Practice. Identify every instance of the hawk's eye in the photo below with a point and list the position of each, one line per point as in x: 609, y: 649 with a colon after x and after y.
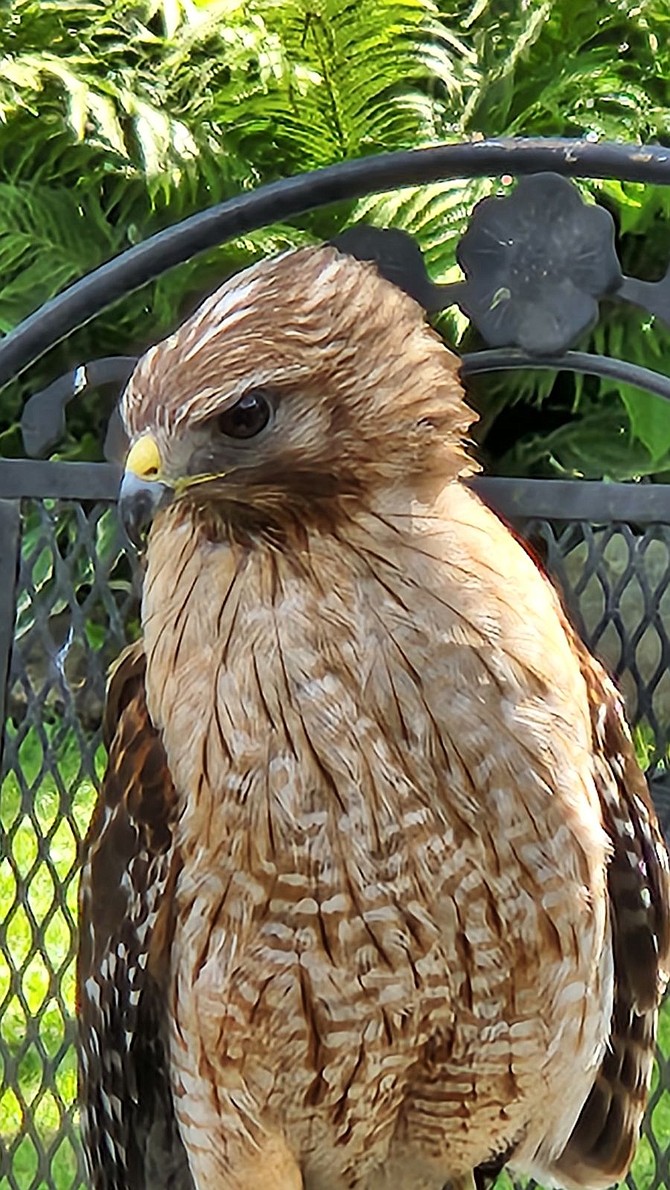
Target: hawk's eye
x: 247, y: 417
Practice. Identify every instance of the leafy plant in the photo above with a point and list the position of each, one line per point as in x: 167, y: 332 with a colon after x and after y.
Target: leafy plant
x: 118, y: 118
x: 555, y: 69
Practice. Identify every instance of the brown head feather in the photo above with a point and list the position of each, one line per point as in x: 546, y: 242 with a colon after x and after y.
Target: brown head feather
x: 332, y: 339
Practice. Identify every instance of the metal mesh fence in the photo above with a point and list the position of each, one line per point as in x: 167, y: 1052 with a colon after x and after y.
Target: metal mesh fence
x: 615, y: 581
x: 75, y: 608
x: 76, y: 604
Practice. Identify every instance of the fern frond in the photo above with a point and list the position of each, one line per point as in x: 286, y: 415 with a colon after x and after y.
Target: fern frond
x: 436, y: 215
x: 47, y: 239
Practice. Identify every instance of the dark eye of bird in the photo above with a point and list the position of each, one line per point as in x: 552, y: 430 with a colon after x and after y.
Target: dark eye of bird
x: 247, y: 417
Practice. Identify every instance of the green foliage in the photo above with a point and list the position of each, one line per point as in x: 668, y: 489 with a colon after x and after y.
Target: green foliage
x: 119, y: 117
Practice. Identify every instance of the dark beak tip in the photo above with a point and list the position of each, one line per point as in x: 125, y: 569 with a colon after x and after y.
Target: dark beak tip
x: 139, y: 501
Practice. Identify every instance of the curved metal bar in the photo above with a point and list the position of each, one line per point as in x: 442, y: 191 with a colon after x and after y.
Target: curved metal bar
x: 293, y: 196
x: 506, y: 359
x: 43, y: 416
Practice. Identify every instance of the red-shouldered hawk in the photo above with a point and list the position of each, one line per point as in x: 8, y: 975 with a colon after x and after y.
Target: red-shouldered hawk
x: 374, y: 894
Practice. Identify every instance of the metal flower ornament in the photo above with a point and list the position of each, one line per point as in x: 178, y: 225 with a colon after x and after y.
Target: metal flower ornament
x: 537, y: 262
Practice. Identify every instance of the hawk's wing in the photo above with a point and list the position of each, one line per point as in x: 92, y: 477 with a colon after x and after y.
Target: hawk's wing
x: 602, y: 1144
x: 130, y: 1134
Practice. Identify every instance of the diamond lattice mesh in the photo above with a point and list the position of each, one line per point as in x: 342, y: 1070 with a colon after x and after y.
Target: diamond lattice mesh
x: 76, y: 606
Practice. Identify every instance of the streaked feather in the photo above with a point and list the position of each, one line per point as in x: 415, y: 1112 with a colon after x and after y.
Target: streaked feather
x: 130, y: 1137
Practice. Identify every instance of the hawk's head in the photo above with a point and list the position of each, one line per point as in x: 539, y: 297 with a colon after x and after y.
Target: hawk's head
x: 302, y: 383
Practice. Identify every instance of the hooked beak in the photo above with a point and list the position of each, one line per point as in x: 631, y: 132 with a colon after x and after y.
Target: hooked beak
x: 142, y: 491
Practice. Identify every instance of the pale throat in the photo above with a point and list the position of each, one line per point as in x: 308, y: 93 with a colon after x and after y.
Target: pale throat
x: 281, y: 685
x: 257, y: 668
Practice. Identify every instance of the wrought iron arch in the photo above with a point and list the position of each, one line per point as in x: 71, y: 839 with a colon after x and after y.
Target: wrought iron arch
x: 537, y: 262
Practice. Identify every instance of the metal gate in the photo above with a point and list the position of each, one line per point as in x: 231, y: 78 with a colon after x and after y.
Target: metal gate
x: 72, y: 607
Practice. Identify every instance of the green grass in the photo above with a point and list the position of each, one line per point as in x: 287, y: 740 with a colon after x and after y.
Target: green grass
x: 37, y: 941
x: 38, y: 910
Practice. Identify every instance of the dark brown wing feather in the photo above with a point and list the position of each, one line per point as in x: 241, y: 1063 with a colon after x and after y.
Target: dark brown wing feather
x: 602, y: 1144
x: 130, y: 1135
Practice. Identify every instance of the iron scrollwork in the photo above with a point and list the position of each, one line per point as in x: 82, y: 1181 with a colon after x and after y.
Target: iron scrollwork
x: 537, y: 263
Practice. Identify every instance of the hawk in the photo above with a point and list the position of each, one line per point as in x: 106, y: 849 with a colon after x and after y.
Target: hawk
x: 374, y: 895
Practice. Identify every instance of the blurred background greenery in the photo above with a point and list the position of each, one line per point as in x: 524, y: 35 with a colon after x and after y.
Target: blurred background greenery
x: 119, y: 117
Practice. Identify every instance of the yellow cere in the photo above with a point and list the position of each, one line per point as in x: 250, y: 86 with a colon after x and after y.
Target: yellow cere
x: 143, y: 458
